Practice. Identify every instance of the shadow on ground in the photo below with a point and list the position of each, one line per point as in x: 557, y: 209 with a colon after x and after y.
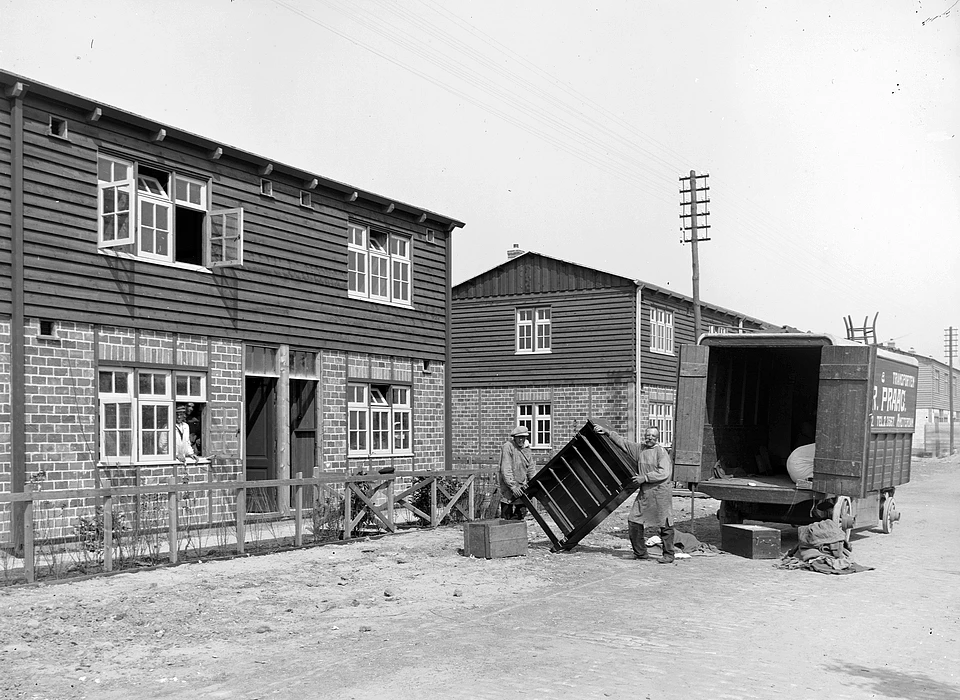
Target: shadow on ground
x: 896, y: 684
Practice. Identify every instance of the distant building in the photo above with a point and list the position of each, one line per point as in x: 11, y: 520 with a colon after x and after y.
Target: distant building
x: 932, y: 435
x: 549, y: 343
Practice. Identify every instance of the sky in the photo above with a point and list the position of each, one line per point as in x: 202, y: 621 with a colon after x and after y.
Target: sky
x: 828, y: 129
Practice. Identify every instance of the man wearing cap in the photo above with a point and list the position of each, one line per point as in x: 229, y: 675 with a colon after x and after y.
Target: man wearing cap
x: 653, y: 507
x: 182, y: 446
x: 516, y: 468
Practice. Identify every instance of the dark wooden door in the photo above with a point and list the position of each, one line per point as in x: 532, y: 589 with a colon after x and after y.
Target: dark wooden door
x: 303, y: 427
x: 261, y: 447
x: 690, y: 415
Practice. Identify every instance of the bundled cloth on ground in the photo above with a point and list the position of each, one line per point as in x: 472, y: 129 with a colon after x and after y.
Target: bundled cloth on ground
x: 821, y: 547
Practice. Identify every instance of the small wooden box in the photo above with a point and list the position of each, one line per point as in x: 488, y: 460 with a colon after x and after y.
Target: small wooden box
x: 492, y: 539
x: 750, y: 541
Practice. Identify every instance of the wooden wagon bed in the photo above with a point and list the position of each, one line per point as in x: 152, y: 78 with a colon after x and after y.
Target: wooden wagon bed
x: 758, y: 489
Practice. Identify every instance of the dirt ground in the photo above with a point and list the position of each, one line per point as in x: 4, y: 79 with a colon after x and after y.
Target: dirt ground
x: 219, y: 629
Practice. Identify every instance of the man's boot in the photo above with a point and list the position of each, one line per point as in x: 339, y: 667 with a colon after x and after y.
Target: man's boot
x: 637, y: 542
x: 667, y: 537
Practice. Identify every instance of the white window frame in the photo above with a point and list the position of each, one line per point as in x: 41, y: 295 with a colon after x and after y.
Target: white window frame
x: 661, y: 331
x: 661, y: 417
x: 222, y: 229
x: 158, y: 395
x: 379, y: 420
x: 534, y: 330
x: 537, y: 417
x: 379, y: 266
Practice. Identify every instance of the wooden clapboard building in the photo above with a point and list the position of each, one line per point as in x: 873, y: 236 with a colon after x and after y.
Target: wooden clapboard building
x: 301, y: 322
x: 549, y: 343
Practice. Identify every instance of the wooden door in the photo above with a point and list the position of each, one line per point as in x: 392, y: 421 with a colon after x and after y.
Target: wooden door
x: 261, y: 444
x: 303, y: 427
x: 844, y: 388
x: 690, y: 414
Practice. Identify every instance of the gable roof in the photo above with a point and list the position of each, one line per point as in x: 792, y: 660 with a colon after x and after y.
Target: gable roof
x: 97, y: 110
x: 531, y: 272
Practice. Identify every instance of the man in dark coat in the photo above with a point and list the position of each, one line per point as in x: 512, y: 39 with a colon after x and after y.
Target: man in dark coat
x: 653, y: 507
x: 516, y: 468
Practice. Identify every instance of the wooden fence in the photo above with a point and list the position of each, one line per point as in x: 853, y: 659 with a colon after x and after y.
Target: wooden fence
x: 374, y: 497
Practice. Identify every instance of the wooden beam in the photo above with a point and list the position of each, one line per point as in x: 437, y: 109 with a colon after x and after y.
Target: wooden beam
x: 352, y: 197
x: 216, y: 153
x: 266, y: 169
x: 311, y: 184
x: 95, y: 114
x: 423, y: 217
x: 159, y: 135
x: 15, y: 90
x: 389, y: 208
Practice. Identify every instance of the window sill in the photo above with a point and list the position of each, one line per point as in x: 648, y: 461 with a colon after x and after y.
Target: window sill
x: 533, y: 352
x: 381, y: 302
x: 378, y: 455
x: 151, y: 261
x: 159, y: 463
x: 663, y: 352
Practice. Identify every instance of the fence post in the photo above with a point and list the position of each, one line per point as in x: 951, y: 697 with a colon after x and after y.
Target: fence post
x: 108, y: 532
x: 241, y: 516
x: 390, y: 504
x: 347, y: 510
x: 298, y: 512
x: 315, y: 489
x: 29, y: 568
x: 434, y: 519
x: 471, y: 497
x: 172, y: 520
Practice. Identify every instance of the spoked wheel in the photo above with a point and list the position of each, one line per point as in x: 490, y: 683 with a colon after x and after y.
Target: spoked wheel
x: 888, y: 514
x: 843, y: 516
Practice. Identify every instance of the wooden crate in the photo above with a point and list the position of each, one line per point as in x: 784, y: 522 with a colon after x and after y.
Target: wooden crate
x: 493, y: 539
x: 750, y: 541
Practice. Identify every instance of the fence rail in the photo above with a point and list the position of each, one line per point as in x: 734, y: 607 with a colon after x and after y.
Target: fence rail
x: 370, y: 498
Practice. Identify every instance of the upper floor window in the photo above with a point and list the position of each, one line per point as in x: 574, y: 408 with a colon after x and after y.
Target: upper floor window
x: 533, y: 330
x: 718, y: 329
x: 159, y: 215
x: 378, y: 265
x: 661, y: 331
x: 379, y: 419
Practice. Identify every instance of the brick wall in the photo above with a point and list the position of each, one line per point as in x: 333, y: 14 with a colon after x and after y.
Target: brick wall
x: 428, y: 416
x: 483, y: 418
x: 333, y: 386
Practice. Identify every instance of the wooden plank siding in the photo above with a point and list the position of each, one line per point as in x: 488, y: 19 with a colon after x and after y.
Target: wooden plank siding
x: 6, y: 196
x: 593, y: 339
x: 659, y: 368
x: 292, y: 287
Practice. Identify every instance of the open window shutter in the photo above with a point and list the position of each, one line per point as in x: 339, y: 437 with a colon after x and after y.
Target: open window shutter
x: 224, y: 245
x: 842, y: 419
x: 690, y: 412
x: 116, y: 207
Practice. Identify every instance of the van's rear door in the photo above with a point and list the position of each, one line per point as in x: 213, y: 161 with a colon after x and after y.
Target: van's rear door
x: 842, y: 409
x: 691, y: 412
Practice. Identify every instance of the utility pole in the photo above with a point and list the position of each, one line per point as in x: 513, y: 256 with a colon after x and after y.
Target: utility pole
x: 694, y: 210
x: 950, y: 349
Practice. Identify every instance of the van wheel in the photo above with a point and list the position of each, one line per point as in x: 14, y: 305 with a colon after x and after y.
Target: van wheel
x: 728, y: 515
x: 843, y: 516
x: 888, y: 514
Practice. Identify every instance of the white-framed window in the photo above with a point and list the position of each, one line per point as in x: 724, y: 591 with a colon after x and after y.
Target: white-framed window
x: 537, y: 418
x: 661, y: 331
x: 163, y: 216
x: 138, y: 412
x: 718, y: 329
x: 379, y: 419
x: 378, y: 265
x: 661, y: 418
x: 534, y: 330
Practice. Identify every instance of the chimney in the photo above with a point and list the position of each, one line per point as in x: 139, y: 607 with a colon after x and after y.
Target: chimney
x: 511, y: 254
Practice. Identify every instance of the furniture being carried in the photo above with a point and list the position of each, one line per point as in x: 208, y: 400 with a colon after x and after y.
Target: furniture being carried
x: 580, y: 486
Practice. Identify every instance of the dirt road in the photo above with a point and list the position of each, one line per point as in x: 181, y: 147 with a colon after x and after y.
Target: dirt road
x: 406, y: 616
